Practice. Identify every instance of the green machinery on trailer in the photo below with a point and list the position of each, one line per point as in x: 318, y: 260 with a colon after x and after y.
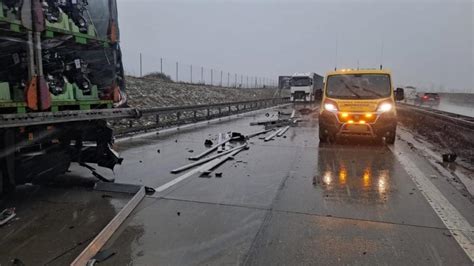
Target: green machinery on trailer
x: 61, y: 76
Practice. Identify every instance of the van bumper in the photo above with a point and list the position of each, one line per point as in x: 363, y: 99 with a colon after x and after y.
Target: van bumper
x: 385, y: 122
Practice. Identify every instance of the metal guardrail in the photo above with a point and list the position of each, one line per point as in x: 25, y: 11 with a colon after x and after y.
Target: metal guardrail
x: 41, y: 118
x: 452, y: 118
x: 195, y: 113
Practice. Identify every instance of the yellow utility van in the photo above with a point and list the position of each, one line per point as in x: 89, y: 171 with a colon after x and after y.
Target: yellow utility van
x: 359, y: 102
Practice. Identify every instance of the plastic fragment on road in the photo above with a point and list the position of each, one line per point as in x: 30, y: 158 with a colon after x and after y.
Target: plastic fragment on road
x: 6, y: 216
x: 208, y: 143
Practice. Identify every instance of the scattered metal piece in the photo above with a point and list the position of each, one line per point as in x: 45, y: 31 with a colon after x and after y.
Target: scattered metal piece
x: 211, y: 149
x: 220, y: 139
x: 98, y: 242
x: 271, y: 136
x: 6, y: 215
x: 219, y: 174
x: 214, y: 164
x: 258, y: 133
x: 269, y: 122
x: 293, y: 114
x: 205, y: 160
x: 158, y: 151
x: 283, y: 131
x: 191, y: 151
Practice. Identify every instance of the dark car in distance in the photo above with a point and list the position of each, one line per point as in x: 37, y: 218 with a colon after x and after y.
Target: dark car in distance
x: 427, y: 98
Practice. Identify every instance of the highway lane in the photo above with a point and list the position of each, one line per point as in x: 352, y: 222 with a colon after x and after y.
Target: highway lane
x: 287, y: 201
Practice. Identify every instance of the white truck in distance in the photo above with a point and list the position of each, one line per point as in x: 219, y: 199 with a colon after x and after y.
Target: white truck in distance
x: 305, y: 87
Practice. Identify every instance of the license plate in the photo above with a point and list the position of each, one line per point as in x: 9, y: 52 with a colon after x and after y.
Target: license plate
x: 357, y: 128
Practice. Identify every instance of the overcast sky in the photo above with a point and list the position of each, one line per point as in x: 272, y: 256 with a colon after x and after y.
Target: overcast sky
x: 425, y: 43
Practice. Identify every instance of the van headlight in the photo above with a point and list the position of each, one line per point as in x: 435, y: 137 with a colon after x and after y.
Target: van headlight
x: 330, y: 107
x: 385, y: 107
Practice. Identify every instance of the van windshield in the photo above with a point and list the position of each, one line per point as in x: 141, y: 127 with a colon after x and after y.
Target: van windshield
x: 300, y: 81
x: 358, y: 86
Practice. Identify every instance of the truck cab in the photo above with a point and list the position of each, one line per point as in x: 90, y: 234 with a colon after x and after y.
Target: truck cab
x: 358, y: 102
x: 302, y: 87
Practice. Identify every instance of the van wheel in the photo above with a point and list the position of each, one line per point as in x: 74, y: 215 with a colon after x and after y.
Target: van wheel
x: 390, y: 137
x: 323, y: 137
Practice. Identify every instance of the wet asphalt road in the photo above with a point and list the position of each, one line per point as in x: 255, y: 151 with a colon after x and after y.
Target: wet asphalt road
x: 284, y: 202
x: 290, y: 201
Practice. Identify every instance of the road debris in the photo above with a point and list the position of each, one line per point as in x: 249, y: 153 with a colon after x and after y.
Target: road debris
x: 103, y: 255
x: 221, y: 138
x: 99, y: 241
x: 95, y: 174
x: 205, y: 160
x: 208, y: 143
x: 271, y: 136
x: 211, y: 149
x: 258, y: 133
x: 449, y: 157
x: 283, y: 131
x: 215, y: 163
x: 219, y: 174
x: 6, y: 215
x: 17, y: 262
x: 236, y: 136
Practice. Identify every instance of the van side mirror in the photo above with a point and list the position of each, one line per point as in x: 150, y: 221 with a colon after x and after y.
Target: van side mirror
x: 399, y: 94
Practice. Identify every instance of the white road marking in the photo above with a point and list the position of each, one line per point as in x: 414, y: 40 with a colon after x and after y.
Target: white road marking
x: 459, y: 227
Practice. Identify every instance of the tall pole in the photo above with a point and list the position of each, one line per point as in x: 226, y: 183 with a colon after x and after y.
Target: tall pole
x: 177, y: 72
x: 212, y: 74
x: 191, y: 68
x: 221, y: 78
x: 241, y: 80
x: 141, y: 67
x: 161, y: 65
x: 202, y: 76
x: 235, y: 80
x: 247, y: 82
x: 228, y: 79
